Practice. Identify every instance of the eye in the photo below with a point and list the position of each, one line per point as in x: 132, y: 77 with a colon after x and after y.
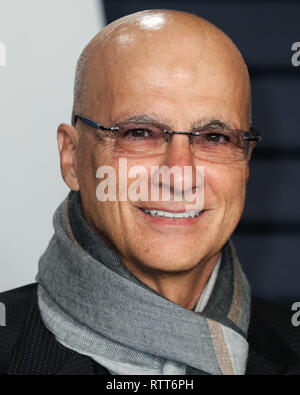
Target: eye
x: 137, y: 133
x: 217, y: 138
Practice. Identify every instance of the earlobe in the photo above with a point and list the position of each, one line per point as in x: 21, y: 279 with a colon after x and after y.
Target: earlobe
x: 67, y: 138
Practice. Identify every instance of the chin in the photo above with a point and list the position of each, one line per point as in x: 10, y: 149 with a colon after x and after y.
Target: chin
x: 170, y: 261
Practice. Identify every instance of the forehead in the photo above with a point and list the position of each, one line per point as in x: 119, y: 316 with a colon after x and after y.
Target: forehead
x: 186, y: 73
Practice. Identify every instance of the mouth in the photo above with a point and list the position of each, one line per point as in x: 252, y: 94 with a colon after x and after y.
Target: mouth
x: 172, y: 214
x: 177, y: 219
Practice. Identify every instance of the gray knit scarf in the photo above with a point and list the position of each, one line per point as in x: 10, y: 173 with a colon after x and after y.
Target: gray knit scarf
x: 94, y: 305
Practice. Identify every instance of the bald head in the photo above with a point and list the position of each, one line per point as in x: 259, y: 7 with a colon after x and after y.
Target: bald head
x: 185, y: 47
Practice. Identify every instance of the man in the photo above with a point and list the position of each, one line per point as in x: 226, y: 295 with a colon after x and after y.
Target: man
x: 151, y: 285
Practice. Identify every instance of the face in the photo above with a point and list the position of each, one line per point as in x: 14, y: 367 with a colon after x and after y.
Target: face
x: 179, y: 90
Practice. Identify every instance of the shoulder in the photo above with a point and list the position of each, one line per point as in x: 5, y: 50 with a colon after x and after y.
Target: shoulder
x: 19, y: 295
x: 26, y: 345
x: 278, y: 317
x: 16, y: 305
x: 274, y: 343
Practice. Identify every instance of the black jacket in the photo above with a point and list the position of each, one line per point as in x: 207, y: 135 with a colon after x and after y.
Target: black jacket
x: 28, y: 348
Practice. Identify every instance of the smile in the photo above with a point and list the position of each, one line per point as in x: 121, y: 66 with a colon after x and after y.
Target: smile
x: 170, y: 214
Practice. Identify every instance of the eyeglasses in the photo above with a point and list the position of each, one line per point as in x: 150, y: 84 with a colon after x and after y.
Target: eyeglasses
x: 213, y: 142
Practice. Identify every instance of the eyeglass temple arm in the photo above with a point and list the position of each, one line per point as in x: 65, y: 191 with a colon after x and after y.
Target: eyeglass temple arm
x: 254, y: 135
x: 91, y: 123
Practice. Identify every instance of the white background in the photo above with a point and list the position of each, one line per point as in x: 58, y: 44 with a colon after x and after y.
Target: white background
x: 43, y: 41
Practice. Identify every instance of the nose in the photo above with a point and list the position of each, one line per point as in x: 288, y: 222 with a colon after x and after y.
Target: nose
x: 179, y: 156
x: 179, y: 151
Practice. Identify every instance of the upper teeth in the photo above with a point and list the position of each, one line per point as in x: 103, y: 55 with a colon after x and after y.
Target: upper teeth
x: 169, y: 214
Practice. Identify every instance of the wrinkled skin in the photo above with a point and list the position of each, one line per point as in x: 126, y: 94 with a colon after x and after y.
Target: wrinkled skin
x: 181, y: 70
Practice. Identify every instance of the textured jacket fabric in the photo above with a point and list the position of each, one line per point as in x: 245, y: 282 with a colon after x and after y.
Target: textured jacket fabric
x: 28, y: 348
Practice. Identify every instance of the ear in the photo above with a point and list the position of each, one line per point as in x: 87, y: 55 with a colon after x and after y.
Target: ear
x: 250, y: 150
x: 68, y: 140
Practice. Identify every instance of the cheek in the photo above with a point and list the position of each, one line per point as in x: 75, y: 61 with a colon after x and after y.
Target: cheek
x: 92, y: 157
x: 225, y: 186
x: 138, y: 175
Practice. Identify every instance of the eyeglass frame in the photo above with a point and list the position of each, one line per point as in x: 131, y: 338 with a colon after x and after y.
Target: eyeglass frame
x: 254, y: 136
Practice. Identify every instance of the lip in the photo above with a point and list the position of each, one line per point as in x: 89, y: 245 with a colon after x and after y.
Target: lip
x: 169, y: 209
x: 171, y: 221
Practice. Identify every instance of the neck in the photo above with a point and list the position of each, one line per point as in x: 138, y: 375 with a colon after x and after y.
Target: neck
x: 182, y: 288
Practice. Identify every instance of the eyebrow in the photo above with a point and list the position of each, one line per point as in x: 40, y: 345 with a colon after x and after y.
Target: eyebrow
x: 217, y: 123
x: 145, y: 119
x: 165, y: 124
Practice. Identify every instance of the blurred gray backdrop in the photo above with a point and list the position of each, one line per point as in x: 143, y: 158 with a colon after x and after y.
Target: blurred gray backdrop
x: 43, y: 40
